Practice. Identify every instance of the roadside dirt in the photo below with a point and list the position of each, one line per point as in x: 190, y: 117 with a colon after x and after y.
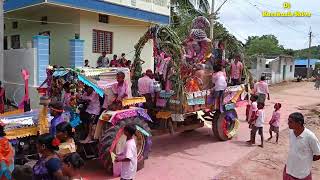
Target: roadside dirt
x: 268, y: 162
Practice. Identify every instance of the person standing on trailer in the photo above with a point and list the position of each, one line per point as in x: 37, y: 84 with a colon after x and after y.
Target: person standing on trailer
x: 145, y: 86
x: 92, y: 112
x: 236, y: 71
x: 220, y: 85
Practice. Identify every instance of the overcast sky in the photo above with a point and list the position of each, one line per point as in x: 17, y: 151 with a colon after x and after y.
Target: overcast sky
x: 243, y: 18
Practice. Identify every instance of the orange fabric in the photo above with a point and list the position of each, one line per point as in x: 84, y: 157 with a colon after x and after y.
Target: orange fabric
x: 6, y: 151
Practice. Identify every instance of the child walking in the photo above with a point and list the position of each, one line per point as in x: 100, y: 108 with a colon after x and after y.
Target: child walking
x: 251, y: 114
x: 275, y: 122
x: 252, y: 109
x: 258, y: 125
x: 128, y: 157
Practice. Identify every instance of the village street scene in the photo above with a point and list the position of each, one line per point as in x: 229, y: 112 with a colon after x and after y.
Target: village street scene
x: 159, y: 89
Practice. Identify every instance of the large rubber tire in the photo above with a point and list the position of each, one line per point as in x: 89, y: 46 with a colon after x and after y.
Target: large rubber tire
x: 221, y: 126
x: 109, y: 135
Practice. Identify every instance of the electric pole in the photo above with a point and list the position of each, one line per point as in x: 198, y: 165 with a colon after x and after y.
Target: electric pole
x: 212, y: 16
x: 309, y: 54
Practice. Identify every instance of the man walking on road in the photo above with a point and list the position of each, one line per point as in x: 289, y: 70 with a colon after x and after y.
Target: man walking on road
x: 303, y: 149
x: 261, y: 89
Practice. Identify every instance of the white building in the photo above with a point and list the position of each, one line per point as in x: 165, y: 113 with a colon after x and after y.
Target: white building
x: 114, y: 26
x: 276, y: 70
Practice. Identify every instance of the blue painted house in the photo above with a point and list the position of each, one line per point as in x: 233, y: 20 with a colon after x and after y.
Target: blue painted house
x: 113, y: 26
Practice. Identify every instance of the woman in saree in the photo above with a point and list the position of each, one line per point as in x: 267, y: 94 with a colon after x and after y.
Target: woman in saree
x: 6, y: 155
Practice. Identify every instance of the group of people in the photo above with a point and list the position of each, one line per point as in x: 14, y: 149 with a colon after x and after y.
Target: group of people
x: 57, y: 149
x: 58, y: 157
x: 103, y: 61
x: 304, y: 146
x: 220, y: 80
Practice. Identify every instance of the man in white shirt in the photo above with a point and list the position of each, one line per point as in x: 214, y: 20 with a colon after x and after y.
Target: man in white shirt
x: 128, y: 157
x: 145, y: 87
x: 261, y: 89
x: 303, y: 149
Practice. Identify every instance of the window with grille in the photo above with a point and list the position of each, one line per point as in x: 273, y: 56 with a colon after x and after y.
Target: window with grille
x: 15, y: 42
x: 102, y: 41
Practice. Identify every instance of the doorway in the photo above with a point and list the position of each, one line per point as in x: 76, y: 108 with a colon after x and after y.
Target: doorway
x: 284, y: 72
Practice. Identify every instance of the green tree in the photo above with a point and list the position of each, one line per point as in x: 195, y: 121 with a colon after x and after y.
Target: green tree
x: 264, y: 45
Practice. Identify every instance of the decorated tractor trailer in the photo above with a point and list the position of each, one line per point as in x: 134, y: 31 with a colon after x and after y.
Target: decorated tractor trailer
x: 183, y: 98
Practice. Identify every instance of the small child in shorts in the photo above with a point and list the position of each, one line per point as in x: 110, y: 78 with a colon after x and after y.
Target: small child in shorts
x: 275, y: 122
x: 258, y: 125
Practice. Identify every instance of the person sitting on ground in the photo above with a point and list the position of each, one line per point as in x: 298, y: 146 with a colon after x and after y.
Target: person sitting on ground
x: 145, y: 87
x: 56, y: 110
x: 103, y: 60
x: 128, y: 157
x: 258, y: 126
x: 86, y: 63
x: 72, y: 164
x: 48, y: 167
x: 6, y: 155
x: 261, y: 89
x: 275, y: 122
x: 114, y: 62
x: 120, y: 90
x: 65, y: 135
x: 304, y: 148
x: 123, y: 61
x: 90, y: 116
x: 220, y: 85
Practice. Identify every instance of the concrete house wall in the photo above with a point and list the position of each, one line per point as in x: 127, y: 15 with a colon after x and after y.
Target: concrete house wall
x: 280, y: 69
x: 60, y: 34
x: 126, y: 34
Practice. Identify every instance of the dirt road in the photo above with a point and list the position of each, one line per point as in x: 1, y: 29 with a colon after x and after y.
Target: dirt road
x: 199, y: 156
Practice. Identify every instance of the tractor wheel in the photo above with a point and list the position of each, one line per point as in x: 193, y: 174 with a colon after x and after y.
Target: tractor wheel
x: 224, y: 125
x: 108, y: 138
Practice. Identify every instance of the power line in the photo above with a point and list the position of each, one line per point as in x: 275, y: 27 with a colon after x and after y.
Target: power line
x: 228, y: 27
x: 285, y: 25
